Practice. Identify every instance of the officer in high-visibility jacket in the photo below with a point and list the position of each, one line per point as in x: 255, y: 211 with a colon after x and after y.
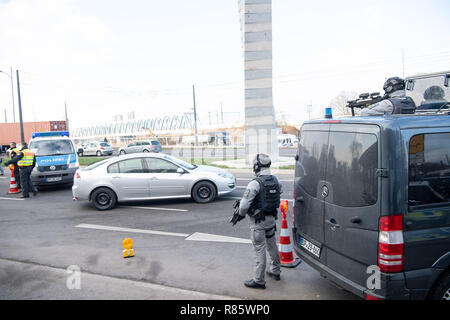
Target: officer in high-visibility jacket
x: 13, y: 151
x: 26, y: 161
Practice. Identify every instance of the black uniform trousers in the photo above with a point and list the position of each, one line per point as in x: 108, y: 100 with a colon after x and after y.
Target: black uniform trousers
x: 25, y: 178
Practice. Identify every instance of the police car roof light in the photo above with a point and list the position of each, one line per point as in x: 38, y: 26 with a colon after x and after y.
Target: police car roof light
x: 50, y: 134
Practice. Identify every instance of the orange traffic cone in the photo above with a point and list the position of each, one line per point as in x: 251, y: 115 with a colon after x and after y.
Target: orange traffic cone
x: 12, y: 184
x: 285, y: 247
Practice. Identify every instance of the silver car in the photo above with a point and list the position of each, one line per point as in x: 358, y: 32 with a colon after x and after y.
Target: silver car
x: 149, y: 176
x: 141, y: 146
x: 95, y: 148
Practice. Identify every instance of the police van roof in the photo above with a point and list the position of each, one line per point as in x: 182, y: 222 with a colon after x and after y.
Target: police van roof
x: 401, y: 121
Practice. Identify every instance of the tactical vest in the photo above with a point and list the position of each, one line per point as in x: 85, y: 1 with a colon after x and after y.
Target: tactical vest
x: 268, y: 198
x: 403, y: 105
x: 27, y: 159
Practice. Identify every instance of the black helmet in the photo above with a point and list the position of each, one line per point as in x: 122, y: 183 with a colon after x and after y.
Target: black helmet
x: 434, y: 93
x: 261, y: 160
x: 393, y: 84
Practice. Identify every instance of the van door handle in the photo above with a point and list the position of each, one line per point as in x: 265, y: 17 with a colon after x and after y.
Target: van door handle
x: 116, y: 177
x: 333, y: 224
x: 300, y: 199
x: 355, y: 219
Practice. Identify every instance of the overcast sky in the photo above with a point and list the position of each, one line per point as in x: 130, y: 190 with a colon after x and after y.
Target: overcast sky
x: 109, y: 57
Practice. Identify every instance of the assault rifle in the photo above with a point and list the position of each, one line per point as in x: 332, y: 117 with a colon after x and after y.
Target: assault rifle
x: 236, y: 216
x: 365, y: 100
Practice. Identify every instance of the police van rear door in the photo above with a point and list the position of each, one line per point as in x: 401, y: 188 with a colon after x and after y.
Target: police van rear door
x: 309, y: 176
x: 351, y: 191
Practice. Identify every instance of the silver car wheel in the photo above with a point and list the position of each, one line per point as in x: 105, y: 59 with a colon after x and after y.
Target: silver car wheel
x: 103, y: 199
x: 204, y: 192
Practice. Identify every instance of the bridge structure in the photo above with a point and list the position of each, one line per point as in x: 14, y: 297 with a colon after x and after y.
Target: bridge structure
x: 136, y: 127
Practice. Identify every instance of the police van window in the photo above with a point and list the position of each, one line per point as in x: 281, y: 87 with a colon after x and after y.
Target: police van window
x: 156, y: 165
x: 351, y: 168
x: 429, y: 169
x: 44, y: 148
x: 310, y: 167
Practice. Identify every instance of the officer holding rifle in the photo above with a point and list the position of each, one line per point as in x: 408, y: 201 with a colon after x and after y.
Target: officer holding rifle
x: 261, y: 201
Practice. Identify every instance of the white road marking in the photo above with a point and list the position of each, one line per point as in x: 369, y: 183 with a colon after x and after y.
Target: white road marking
x: 155, y: 208
x: 232, y: 198
x: 108, y: 228
x: 249, y: 179
x: 16, y: 199
x: 239, y: 198
x: 198, y: 236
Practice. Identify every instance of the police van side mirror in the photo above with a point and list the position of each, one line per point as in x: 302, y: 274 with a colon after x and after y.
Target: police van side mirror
x: 181, y: 171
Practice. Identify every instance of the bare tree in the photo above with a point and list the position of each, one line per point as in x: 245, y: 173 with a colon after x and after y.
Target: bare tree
x: 339, y: 103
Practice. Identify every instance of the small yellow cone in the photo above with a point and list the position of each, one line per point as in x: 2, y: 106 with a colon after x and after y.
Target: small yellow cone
x: 127, y: 244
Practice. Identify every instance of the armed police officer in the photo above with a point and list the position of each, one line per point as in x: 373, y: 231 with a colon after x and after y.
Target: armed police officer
x: 395, y: 102
x: 261, y: 201
x: 26, y: 161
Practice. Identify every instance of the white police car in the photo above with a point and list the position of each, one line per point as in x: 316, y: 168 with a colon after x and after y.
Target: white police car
x: 56, y: 158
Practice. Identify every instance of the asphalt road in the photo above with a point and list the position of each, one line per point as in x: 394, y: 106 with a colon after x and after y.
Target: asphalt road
x: 42, y: 236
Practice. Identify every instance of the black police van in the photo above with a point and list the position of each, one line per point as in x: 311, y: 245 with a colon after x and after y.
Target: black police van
x: 372, y: 204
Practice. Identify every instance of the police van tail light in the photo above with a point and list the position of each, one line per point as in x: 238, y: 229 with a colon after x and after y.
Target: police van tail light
x: 390, y: 244
x: 293, y: 208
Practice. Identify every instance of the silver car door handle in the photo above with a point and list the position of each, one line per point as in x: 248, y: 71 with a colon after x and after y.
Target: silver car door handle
x: 116, y: 177
x: 154, y: 178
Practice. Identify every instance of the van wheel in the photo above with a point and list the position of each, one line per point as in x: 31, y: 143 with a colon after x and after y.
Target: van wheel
x: 204, y: 192
x: 442, y: 290
x: 103, y: 199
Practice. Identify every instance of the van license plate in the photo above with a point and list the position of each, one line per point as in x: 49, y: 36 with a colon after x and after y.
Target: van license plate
x: 53, y: 179
x: 308, y: 246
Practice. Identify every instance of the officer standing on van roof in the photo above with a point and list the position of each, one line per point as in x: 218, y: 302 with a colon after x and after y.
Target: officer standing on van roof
x: 261, y: 201
x: 396, y: 101
x: 26, y: 161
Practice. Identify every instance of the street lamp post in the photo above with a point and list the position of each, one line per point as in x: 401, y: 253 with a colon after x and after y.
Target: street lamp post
x: 12, y: 91
x: 22, y: 138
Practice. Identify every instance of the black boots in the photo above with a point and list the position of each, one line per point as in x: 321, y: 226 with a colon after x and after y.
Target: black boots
x: 254, y: 285
x: 273, y: 275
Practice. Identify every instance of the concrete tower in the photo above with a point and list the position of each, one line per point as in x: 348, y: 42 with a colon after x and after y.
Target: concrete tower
x: 260, y: 126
